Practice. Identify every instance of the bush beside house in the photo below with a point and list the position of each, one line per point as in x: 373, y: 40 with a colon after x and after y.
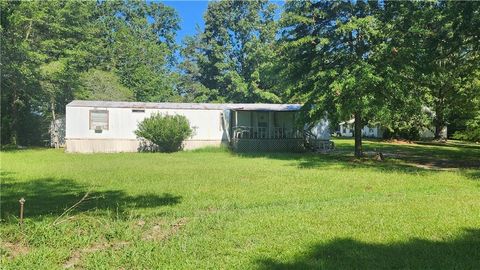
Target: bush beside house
x: 163, y: 133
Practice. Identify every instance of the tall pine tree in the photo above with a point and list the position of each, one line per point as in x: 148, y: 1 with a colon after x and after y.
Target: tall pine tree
x: 233, y: 56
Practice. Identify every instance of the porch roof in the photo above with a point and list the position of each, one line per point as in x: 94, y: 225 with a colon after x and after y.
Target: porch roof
x: 266, y: 107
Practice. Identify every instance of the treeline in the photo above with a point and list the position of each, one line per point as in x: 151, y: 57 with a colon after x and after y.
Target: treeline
x: 399, y: 64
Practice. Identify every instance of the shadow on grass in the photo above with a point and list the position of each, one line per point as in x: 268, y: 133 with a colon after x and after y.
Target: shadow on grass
x: 345, y: 253
x: 429, y: 154
x: 417, y: 159
x: 51, y: 197
x: 340, y: 160
x: 475, y: 175
x: 451, y: 144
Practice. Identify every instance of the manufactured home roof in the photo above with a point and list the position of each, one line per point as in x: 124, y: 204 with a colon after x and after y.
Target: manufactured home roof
x: 186, y: 106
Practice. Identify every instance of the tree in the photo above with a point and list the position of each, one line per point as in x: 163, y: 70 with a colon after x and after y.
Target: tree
x: 190, y: 86
x: 47, y: 45
x: 471, y: 114
x: 139, y: 44
x: 387, y: 62
x: 455, y: 60
x: 43, y: 46
x: 16, y: 80
x: 437, y: 54
x: 233, y: 56
x: 332, y: 52
x: 102, y: 85
x: 405, y: 111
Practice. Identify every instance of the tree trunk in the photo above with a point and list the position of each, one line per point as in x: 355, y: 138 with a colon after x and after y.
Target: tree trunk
x: 439, y: 127
x: 29, y: 29
x: 440, y: 117
x: 439, y: 122
x: 54, y: 131
x: 358, y: 134
x: 14, y: 122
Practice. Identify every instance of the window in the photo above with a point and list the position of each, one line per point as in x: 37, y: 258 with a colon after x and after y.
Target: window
x: 99, y: 120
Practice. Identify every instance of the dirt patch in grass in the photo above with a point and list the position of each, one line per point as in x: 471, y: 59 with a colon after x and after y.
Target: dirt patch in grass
x: 14, y: 250
x: 437, y: 163
x: 161, y: 231
x: 423, y: 161
x: 76, y: 257
x: 399, y: 141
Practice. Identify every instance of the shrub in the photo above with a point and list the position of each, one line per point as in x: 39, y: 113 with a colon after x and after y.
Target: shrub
x: 410, y: 133
x: 471, y: 133
x: 163, y: 133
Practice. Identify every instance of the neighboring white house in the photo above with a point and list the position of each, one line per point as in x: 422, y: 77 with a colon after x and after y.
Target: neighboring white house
x: 429, y: 134
x: 108, y: 126
x: 347, y: 128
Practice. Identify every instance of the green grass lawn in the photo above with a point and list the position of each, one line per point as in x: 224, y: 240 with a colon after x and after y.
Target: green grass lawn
x: 211, y: 209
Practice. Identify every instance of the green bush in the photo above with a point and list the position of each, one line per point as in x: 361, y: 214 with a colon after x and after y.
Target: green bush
x: 410, y: 133
x: 471, y: 133
x: 163, y: 133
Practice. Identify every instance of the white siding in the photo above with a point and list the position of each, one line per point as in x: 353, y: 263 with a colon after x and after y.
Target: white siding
x: 123, y: 122
x: 367, y: 131
x: 346, y: 130
x: 371, y: 132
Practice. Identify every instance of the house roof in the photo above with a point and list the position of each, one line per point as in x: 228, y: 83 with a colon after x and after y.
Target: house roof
x: 351, y: 121
x: 186, y: 106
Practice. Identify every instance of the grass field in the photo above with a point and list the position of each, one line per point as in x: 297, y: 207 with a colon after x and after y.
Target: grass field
x: 211, y: 209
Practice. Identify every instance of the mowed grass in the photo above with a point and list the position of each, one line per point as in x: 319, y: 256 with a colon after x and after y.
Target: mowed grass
x: 212, y: 209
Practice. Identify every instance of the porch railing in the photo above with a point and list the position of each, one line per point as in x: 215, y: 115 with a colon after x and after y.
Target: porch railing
x: 248, y: 132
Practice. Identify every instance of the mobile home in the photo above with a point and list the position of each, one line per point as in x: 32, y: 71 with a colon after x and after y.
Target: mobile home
x: 108, y: 126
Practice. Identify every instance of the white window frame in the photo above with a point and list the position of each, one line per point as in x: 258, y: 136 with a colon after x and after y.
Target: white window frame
x: 105, y: 127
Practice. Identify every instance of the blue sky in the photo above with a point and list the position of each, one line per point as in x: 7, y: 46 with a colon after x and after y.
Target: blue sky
x: 191, y: 15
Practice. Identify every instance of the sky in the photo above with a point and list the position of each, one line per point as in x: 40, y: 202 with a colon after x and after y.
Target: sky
x: 191, y: 15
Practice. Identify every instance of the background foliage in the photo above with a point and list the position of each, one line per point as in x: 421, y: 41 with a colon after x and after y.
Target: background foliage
x: 381, y: 62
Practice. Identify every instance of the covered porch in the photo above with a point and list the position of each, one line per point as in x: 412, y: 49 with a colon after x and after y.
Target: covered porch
x: 266, y: 131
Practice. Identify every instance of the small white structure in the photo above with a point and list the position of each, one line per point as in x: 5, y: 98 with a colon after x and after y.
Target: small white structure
x: 108, y: 126
x: 347, y: 128
x: 429, y: 133
x: 57, y: 132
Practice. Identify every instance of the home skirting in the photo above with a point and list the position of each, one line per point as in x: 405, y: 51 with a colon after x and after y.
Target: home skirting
x: 268, y: 145
x: 123, y: 145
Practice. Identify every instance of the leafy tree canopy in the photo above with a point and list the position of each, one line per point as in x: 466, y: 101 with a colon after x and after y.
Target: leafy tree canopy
x: 102, y: 85
x: 233, y: 56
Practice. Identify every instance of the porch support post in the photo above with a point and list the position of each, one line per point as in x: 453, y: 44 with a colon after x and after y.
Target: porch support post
x: 236, y: 118
x: 270, y: 124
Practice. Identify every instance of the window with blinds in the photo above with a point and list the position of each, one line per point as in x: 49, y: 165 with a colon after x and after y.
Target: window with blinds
x: 99, y: 119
